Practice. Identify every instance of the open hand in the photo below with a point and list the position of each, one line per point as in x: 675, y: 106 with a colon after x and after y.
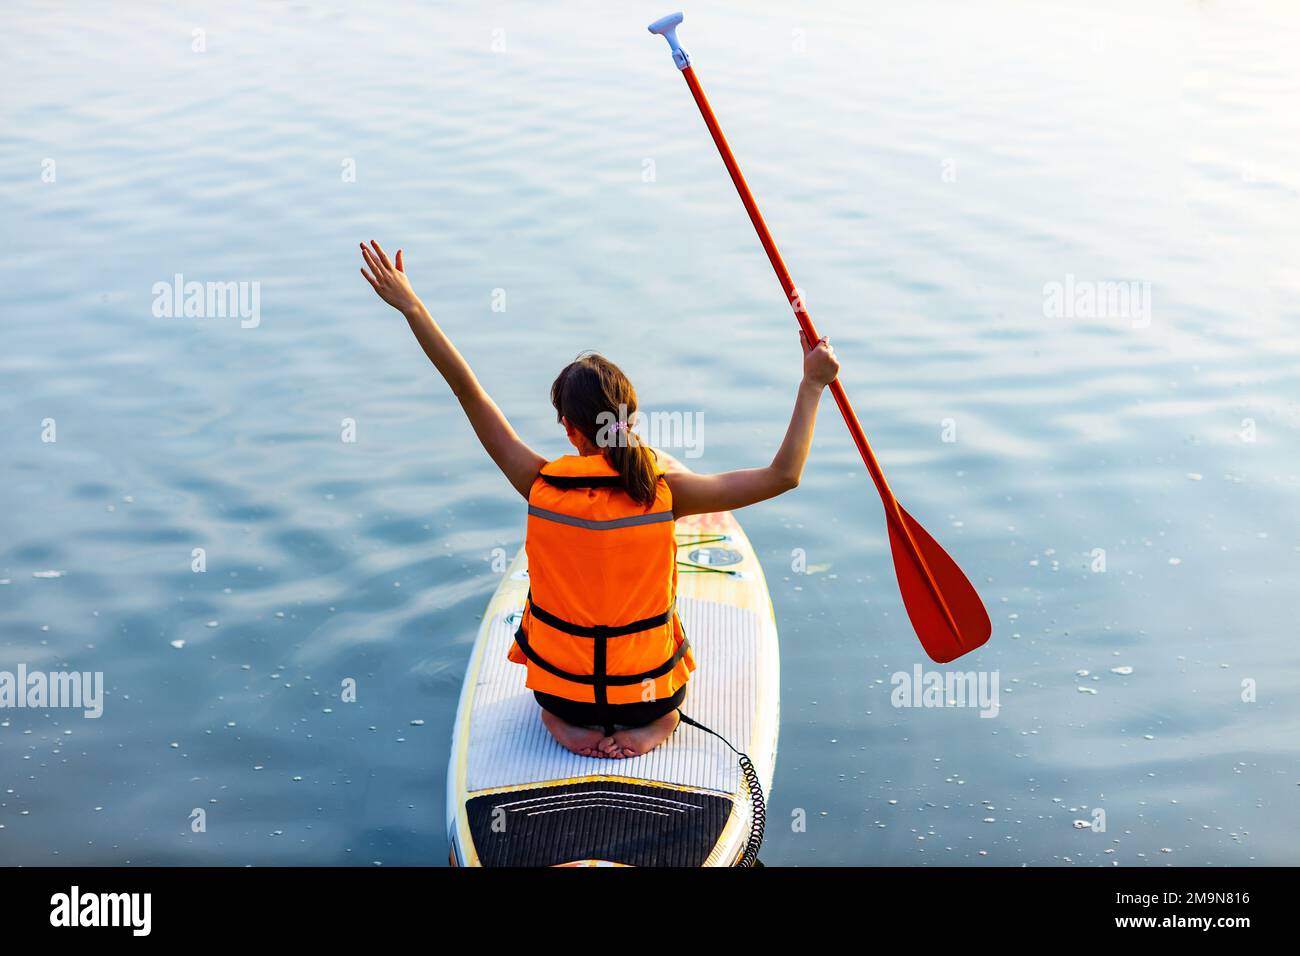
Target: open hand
x: 388, y: 280
x: 820, y: 366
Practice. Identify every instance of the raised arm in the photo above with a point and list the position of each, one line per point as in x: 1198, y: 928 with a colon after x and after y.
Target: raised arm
x: 519, y: 463
x: 698, y: 494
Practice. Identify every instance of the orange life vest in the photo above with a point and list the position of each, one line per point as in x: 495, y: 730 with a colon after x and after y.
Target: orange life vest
x: 601, y: 624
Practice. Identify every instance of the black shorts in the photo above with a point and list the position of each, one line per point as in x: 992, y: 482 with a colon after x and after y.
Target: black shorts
x: 582, y: 714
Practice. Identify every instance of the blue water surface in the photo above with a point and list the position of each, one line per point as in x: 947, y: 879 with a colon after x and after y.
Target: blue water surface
x: 1119, y: 479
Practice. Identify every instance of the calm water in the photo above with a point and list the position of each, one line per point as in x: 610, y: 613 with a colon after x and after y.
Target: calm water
x: 931, y: 170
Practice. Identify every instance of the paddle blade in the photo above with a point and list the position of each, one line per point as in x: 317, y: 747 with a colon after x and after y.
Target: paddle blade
x: 928, y: 620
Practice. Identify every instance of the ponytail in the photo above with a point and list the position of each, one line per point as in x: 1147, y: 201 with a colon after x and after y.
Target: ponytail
x: 635, y: 464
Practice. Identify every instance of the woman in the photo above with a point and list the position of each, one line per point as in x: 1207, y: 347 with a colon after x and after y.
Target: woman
x: 607, y: 658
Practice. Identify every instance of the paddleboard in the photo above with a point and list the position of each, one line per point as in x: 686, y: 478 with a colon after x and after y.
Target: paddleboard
x: 517, y: 798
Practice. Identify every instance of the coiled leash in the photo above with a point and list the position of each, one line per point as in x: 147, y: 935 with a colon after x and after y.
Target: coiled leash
x: 758, y: 819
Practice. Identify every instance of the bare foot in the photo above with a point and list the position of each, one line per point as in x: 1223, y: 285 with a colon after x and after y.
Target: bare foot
x: 583, y: 741
x: 641, y: 740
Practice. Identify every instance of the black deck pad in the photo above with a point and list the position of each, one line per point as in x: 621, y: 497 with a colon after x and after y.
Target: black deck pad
x: 597, y: 820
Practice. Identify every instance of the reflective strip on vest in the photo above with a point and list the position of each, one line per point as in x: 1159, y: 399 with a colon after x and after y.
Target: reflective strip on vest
x: 610, y: 524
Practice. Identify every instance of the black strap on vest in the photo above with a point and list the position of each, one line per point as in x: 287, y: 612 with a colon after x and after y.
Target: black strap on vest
x: 598, y: 630
x: 597, y: 679
x: 567, y: 482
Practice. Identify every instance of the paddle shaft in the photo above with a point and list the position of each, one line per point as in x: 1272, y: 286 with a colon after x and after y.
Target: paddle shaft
x: 892, y: 509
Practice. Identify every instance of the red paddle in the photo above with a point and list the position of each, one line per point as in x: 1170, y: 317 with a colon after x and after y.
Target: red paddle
x: 945, y: 611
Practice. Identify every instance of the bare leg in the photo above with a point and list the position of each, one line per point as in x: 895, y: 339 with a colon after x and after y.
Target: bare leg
x: 641, y: 740
x: 582, y: 741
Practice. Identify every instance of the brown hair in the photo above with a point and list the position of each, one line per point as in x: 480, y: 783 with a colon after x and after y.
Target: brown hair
x: 594, y: 395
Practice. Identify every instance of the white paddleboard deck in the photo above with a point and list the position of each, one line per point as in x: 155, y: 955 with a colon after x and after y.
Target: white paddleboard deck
x: 517, y: 798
